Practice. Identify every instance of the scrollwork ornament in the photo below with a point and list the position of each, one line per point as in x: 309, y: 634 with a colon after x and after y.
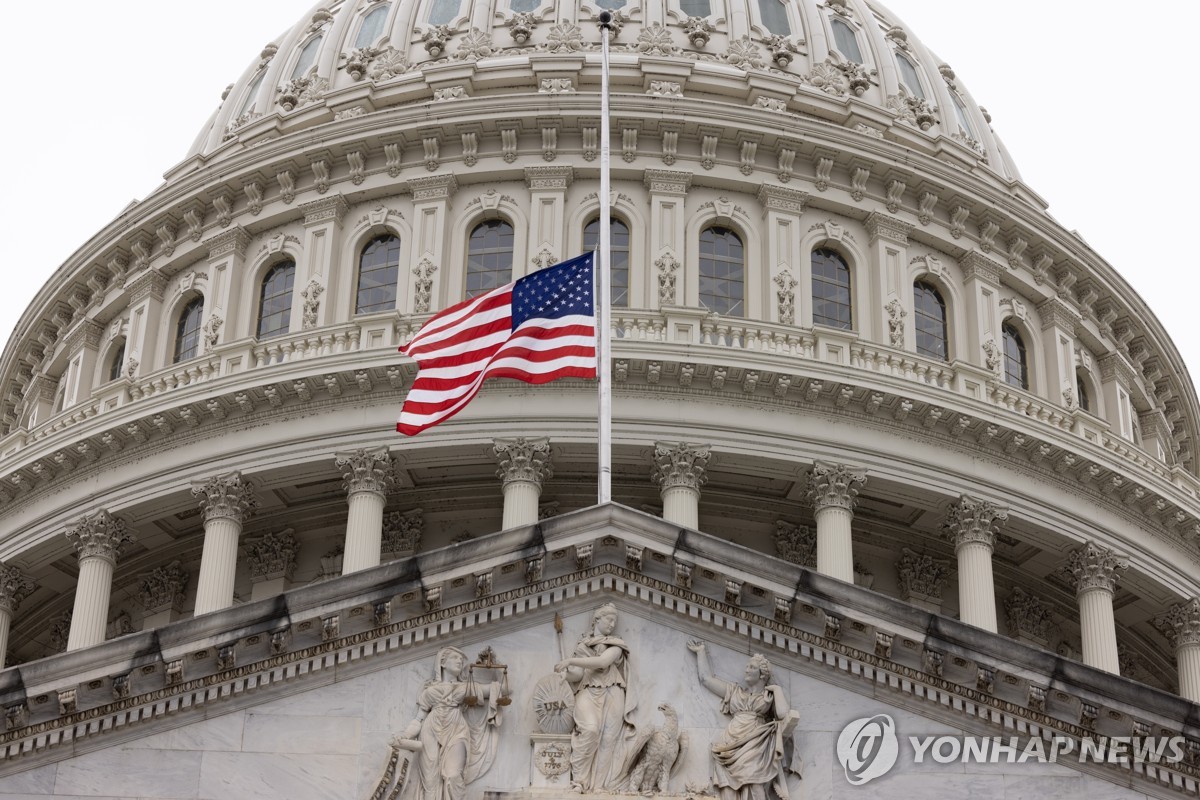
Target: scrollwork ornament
x: 388, y: 63
x: 100, y: 535
x: 1095, y: 568
x: 974, y: 521
x: 834, y: 486
x: 522, y: 459
x: 744, y: 53
x: 565, y: 37
x: 226, y: 497
x: 1181, y: 624
x: 680, y: 465
x: 366, y: 471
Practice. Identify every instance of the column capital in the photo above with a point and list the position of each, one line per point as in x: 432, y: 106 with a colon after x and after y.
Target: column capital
x: 974, y: 521
x: 679, y: 464
x: 1094, y: 567
x: 921, y: 574
x: 100, y: 535
x: 521, y: 459
x: 402, y: 531
x: 225, y: 497
x: 273, y: 556
x: 367, y: 471
x: 162, y: 588
x: 15, y: 586
x: 1181, y: 624
x: 834, y: 485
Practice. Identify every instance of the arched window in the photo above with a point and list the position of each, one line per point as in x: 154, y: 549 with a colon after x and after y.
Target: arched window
x: 187, y: 330
x: 722, y: 272
x: 308, y: 57
x: 960, y: 112
x: 378, y: 272
x: 774, y: 17
x: 443, y: 12
x: 619, y: 252
x: 1016, y: 367
x: 275, y: 300
x: 252, y: 94
x: 909, y: 77
x: 1081, y: 392
x: 489, y: 256
x: 930, y: 318
x: 696, y: 8
x: 372, y: 27
x: 831, y: 290
x: 116, y: 364
x: 845, y: 40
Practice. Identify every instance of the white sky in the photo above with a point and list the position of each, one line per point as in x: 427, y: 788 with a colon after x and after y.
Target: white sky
x: 1094, y: 101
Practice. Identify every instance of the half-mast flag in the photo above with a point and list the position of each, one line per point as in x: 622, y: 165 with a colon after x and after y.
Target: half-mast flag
x: 536, y: 329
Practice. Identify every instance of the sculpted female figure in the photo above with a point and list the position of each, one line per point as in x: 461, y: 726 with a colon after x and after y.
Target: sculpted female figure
x: 454, y: 734
x: 599, y: 672
x: 754, y: 753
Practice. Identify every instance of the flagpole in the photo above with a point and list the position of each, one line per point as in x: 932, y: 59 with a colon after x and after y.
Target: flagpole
x: 603, y: 281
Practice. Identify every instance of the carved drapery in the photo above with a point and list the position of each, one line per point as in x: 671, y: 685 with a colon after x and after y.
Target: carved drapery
x: 1094, y: 567
x: 225, y: 497
x: 680, y: 465
x: 162, y: 588
x: 367, y: 471
x: 523, y: 460
x: 100, y: 535
x: 974, y: 521
x: 834, y: 486
x: 273, y: 556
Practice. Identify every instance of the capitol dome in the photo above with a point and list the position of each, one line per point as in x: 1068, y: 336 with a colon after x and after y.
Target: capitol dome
x: 863, y: 382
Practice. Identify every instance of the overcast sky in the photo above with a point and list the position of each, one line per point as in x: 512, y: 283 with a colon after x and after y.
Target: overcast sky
x: 1094, y: 101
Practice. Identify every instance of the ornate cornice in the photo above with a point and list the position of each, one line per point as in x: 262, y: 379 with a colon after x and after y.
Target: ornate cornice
x: 680, y: 465
x: 1058, y: 314
x: 366, y: 471
x: 225, y: 497
x: 273, y: 556
x: 100, y: 535
x: 779, y: 198
x: 150, y: 283
x: 1181, y: 624
x: 433, y: 187
x: 549, y: 178
x: 327, y: 209
x: 87, y: 333
x: 973, y: 521
x: 667, y: 181
x: 521, y: 459
x: 1113, y: 365
x: 978, y: 267
x: 233, y: 241
x: 162, y: 588
x: 881, y: 226
x: 15, y: 586
x: 1093, y: 567
x: 834, y: 485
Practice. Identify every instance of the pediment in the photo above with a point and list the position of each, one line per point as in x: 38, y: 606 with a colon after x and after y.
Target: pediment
x: 302, y: 696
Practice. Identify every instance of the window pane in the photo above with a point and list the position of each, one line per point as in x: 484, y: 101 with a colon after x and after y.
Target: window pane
x: 722, y: 272
x: 308, y: 57
x: 372, y: 27
x: 251, y: 95
x: 961, y: 112
x: 619, y: 256
x: 611, y: 5
x: 831, y: 290
x: 378, y: 272
x: 524, y: 5
x: 443, y: 12
x: 187, y: 332
x: 275, y: 300
x: 908, y: 76
x: 489, y: 257
x: 1085, y: 400
x: 930, y: 318
x: 1016, y: 368
x: 696, y: 8
x: 774, y: 17
x: 846, y: 41
x: 117, y: 364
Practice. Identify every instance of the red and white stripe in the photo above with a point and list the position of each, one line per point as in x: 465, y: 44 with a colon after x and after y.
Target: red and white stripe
x: 472, y: 341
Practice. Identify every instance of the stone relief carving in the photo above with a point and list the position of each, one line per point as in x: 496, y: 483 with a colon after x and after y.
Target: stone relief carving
x: 655, y: 40
x: 312, y: 303
x: 357, y: 61
x: 435, y: 38
x: 402, y: 531
x: 796, y: 543
x: 163, y: 588
x: 896, y: 315
x: 521, y: 25
x: 911, y: 109
x: 273, y: 556
x: 212, y: 331
x: 389, y: 63
x: 786, y: 297
x: 657, y: 755
x: 302, y: 91
x: 745, y: 54
x: 474, y: 46
x: 754, y: 755
x: 565, y: 37
x: 922, y: 575
x: 699, y: 30
x: 423, y: 289
x: 667, y: 267
x: 1028, y: 616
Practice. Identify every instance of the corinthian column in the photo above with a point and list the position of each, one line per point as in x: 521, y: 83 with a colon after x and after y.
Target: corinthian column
x: 680, y: 471
x: 832, y: 489
x: 369, y: 476
x: 971, y: 524
x: 1181, y: 625
x: 14, y: 587
x: 1096, y: 571
x: 226, y: 501
x: 98, y: 539
x: 524, y: 464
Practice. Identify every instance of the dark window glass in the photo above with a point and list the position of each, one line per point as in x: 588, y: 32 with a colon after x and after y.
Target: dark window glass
x: 252, y: 94
x: 774, y: 17
x: 1016, y: 368
x: 696, y: 8
x: 308, y: 57
x: 187, y: 332
x: 116, y: 364
x: 930, y: 321
x: 722, y: 272
x: 524, y: 5
x: 443, y: 12
x: 489, y: 257
x: 961, y: 113
x: 846, y: 41
x: 372, y: 27
x: 611, y: 5
x: 275, y: 300
x: 908, y: 76
x: 619, y: 248
x: 1085, y: 400
x: 831, y: 290
x: 378, y: 271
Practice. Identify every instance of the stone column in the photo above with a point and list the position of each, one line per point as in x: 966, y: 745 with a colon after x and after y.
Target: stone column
x: 1096, y: 571
x: 1181, y: 625
x: 832, y: 489
x: 98, y: 539
x: 981, y: 290
x: 971, y: 524
x: 227, y: 501
x: 14, y: 587
x: 368, y: 478
x: 524, y: 464
x: 680, y: 471
x: 162, y: 595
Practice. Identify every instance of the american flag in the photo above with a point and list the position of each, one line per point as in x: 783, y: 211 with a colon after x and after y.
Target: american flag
x: 536, y: 329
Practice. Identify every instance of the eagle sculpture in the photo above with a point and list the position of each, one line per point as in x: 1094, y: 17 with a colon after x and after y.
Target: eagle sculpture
x: 656, y: 756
